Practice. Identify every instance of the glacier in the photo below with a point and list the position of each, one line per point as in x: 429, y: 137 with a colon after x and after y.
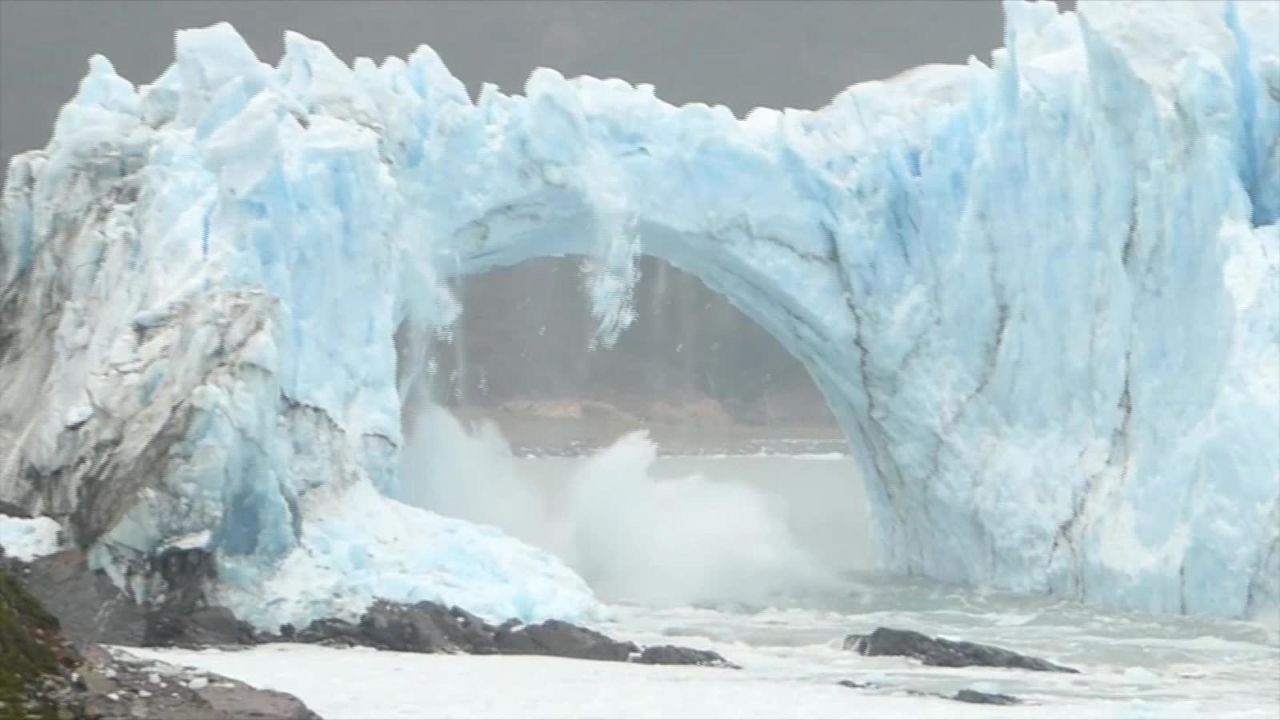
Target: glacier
x: 1040, y: 295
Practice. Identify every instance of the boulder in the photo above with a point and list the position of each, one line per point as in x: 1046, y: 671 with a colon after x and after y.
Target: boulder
x: 675, y: 655
x: 428, y: 627
x: 562, y: 639
x: 966, y: 696
x: 985, y: 698
x: 329, y: 631
x: 425, y: 627
x: 89, y: 607
x: 196, y: 627
x: 941, y: 652
x: 8, y: 508
x: 93, y: 610
x: 184, y: 576
x: 49, y: 677
x: 855, y: 685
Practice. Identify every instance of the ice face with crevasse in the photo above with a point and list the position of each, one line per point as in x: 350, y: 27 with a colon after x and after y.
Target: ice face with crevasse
x: 1041, y: 296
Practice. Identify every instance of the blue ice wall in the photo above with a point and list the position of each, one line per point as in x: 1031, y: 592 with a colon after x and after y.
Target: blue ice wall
x: 1042, y: 295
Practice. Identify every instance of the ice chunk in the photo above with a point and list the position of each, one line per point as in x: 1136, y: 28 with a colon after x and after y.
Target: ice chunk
x: 28, y: 538
x: 357, y: 545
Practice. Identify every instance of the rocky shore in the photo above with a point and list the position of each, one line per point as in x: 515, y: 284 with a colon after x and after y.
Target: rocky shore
x: 940, y: 652
x: 60, y: 621
x: 570, y: 427
x: 45, y: 675
x: 67, y: 629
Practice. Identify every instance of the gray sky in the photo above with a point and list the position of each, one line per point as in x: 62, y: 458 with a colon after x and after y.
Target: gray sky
x: 741, y: 54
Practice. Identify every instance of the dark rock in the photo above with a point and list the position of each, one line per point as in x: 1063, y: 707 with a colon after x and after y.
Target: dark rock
x: 428, y: 627
x: 185, y: 574
x: 178, y: 613
x: 121, y: 686
x: 673, y: 655
x: 982, y: 698
x: 425, y: 627
x: 8, y: 508
x: 199, y: 627
x: 42, y: 673
x: 34, y: 657
x: 330, y: 631
x: 89, y: 607
x: 95, y: 611
x: 968, y: 696
x: 563, y: 639
x: 945, y: 653
x: 855, y: 685
x: 235, y: 700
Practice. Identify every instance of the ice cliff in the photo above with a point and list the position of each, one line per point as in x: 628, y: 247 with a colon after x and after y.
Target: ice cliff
x: 1041, y: 296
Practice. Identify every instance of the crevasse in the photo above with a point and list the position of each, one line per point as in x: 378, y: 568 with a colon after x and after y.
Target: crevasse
x: 1042, y: 297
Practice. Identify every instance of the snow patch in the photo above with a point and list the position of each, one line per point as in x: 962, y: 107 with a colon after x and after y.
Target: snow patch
x: 28, y: 538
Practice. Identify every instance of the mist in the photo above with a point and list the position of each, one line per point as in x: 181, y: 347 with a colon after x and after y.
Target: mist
x: 633, y: 535
x: 527, y: 426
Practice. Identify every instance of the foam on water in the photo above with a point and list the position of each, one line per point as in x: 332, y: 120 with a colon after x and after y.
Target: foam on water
x: 711, y: 551
x: 1133, y: 664
x: 633, y: 532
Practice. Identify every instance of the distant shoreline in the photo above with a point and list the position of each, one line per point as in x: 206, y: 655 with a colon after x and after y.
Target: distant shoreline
x: 534, y: 431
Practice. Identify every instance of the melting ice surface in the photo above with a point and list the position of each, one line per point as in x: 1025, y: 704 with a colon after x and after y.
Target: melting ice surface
x: 1042, y: 298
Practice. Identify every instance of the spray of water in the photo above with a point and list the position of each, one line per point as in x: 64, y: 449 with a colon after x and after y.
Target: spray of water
x: 633, y: 536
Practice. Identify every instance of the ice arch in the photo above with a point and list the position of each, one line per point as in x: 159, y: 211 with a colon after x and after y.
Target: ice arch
x: 1040, y: 297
